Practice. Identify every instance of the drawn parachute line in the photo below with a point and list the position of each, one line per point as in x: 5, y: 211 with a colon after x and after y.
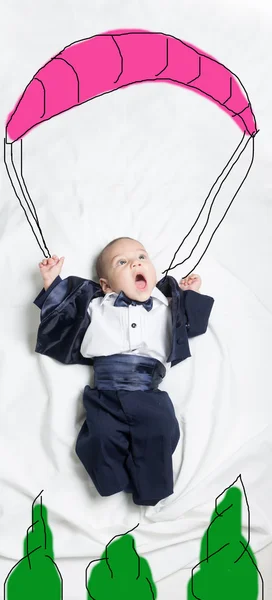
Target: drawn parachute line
x: 106, y: 62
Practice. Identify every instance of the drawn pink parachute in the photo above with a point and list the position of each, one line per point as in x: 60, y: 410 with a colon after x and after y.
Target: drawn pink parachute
x: 116, y: 59
x: 109, y: 61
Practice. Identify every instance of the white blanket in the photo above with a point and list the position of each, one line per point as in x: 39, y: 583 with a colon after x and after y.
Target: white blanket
x: 139, y: 162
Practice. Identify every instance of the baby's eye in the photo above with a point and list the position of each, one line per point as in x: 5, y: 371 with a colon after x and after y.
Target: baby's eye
x: 142, y: 256
x: 121, y: 260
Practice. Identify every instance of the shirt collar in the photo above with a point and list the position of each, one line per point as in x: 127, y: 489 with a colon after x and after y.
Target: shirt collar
x: 107, y: 296
x: 156, y: 293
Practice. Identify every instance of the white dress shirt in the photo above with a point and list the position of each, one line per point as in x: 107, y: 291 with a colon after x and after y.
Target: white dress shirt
x: 129, y: 329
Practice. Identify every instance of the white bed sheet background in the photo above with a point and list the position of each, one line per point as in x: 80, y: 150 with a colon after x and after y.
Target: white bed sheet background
x: 139, y: 162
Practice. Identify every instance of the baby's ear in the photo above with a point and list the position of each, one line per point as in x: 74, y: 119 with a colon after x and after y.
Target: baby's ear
x: 103, y: 285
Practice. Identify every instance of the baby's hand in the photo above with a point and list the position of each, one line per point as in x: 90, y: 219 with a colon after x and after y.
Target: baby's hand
x: 50, y: 268
x: 192, y: 282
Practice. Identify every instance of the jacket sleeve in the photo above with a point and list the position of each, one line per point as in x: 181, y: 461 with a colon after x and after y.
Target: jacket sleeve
x: 64, y: 319
x: 39, y: 301
x: 197, y: 309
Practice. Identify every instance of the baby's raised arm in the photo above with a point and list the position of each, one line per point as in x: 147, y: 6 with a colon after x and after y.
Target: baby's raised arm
x: 50, y: 268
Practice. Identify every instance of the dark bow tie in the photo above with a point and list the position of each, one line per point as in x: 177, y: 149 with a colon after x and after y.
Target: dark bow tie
x: 123, y: 300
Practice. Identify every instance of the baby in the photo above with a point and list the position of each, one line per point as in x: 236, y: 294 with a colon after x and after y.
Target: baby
x: 131, y: 328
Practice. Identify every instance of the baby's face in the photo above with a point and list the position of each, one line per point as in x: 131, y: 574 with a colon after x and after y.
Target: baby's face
x: 127, y: 267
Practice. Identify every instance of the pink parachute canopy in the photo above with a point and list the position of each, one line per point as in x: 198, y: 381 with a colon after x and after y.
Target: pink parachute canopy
x: 109, y: 61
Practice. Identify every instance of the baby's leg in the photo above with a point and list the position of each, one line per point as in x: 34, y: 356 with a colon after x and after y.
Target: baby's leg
x: 103, y: 442
x: 154, y: 436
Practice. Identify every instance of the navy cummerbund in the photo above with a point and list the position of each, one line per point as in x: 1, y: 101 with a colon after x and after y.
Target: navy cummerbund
x: 127, y: 372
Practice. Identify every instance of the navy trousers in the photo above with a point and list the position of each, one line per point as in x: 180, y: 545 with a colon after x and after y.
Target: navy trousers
x: 128, y: 439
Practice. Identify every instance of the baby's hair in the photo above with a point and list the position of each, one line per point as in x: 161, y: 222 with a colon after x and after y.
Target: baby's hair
x: 99, y: 260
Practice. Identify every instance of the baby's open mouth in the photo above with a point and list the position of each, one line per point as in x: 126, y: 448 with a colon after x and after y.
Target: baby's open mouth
x: 140, y: 282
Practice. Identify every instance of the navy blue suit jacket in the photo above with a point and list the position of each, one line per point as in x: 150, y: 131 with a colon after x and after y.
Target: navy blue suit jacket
x: 64, y: 317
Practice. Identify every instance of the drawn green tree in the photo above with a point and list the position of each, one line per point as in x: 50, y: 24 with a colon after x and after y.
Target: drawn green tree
x: 227, y: 568
x: 35, y: 576
x: 121, y: 573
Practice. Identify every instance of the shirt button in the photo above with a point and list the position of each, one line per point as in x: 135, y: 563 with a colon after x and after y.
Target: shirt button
x: 133, y: 325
